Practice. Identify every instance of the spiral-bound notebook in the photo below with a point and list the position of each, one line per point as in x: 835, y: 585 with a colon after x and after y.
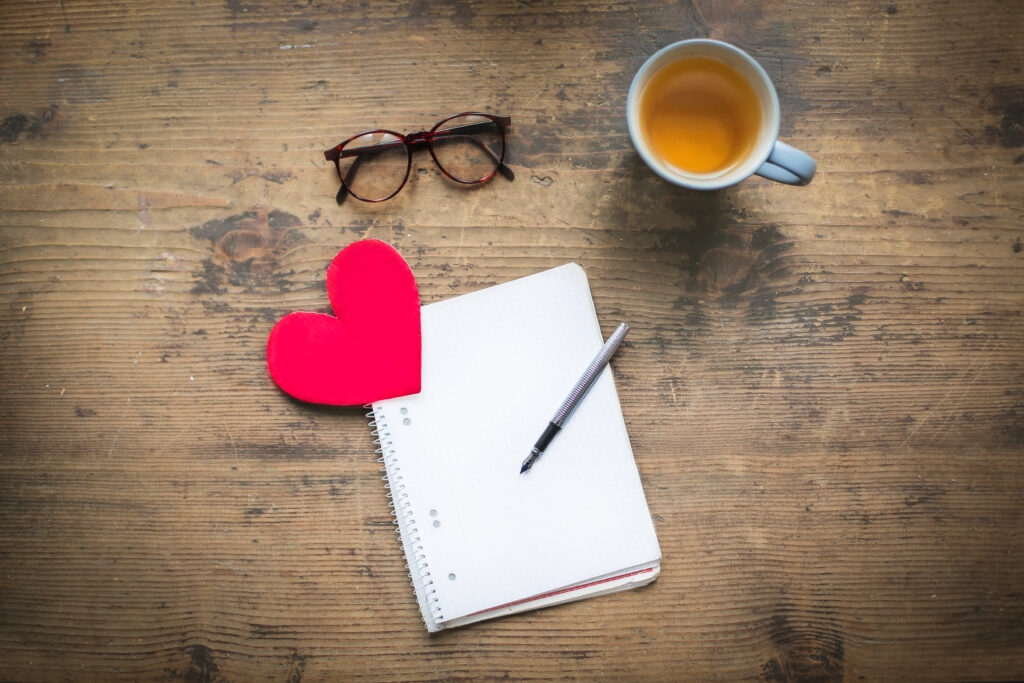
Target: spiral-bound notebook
x: 480, y: 539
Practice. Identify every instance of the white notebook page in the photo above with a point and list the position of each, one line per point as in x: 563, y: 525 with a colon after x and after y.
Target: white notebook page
x: 496, y: 366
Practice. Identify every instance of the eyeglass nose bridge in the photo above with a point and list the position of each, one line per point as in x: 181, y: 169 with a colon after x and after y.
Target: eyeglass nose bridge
x: 418, y: 138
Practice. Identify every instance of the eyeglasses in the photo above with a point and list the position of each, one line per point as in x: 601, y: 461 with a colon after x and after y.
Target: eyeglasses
x: 469, y: 148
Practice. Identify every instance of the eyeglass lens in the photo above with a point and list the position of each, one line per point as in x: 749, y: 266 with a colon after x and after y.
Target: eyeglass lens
x: 379, y: 168
x: 467, y: 147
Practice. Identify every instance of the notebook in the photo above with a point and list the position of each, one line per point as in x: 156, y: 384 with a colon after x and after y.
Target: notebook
x: 480, y: 539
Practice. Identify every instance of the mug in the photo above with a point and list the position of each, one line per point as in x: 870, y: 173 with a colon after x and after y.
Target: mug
x: 767, y: 156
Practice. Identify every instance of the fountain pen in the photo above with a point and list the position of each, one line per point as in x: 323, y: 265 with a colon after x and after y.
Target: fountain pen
x: 584, y: 384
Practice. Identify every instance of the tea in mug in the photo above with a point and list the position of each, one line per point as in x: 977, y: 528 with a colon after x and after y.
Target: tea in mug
x: 699, y: 115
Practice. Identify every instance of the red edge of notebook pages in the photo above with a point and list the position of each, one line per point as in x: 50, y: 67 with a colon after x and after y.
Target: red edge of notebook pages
x: 564, y: 590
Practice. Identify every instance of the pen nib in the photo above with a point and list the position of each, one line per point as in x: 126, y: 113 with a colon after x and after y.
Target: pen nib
x: 530, y: 459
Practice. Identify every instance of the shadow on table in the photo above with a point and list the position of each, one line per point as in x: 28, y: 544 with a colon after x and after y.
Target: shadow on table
x: 718, y: 247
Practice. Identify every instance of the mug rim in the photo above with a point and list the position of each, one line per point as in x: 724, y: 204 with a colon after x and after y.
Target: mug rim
x: 694, y: 183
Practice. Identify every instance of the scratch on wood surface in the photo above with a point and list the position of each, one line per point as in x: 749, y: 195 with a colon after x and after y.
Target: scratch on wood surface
x: 973, y: 198
x: 960, y: 384
x: 117, y: 436
x: 64, y: 12
x: 120, y: 427
x: 590, y: 233
x: 230, y: 438
x: 970, y: 138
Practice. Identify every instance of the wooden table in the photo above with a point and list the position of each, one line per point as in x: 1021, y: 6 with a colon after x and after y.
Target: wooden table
x: 824, y: 386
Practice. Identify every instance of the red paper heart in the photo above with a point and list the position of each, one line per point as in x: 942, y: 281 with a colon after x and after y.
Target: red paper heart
x: 371, y: 350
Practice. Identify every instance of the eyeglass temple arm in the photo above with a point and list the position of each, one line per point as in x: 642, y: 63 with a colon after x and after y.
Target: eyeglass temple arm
x: 343, y: 190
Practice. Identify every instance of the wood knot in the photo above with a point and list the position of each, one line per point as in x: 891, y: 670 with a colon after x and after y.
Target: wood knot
x: 246, y: 248
x: 254, y: 234
x: 805, y: 651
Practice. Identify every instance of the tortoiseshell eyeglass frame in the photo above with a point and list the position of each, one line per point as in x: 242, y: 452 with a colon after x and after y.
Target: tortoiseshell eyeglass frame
x: 417, y: 140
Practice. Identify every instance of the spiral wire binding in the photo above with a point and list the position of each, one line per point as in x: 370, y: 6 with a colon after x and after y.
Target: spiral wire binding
x: 407, y: 530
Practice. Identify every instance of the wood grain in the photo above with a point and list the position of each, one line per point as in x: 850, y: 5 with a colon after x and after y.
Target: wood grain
x: 824, y: 386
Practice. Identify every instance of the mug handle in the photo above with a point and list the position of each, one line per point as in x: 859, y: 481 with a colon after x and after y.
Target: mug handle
x: 787, y: 165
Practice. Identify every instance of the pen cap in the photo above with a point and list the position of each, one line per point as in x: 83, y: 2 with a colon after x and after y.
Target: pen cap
x: 590, y: 375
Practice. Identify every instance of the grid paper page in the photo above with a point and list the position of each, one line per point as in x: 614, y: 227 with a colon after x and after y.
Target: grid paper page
x: 496, y: 366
